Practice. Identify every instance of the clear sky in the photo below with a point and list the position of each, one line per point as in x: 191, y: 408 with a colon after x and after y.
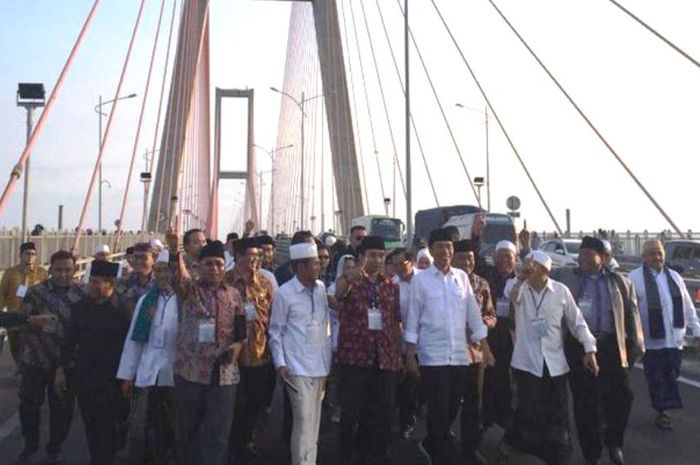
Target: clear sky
x: 642, y: 95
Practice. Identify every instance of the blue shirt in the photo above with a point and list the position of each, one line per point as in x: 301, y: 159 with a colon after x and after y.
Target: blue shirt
x: 595, y: 303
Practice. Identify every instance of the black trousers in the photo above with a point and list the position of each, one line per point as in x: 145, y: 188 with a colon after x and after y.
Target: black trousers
x: 448, y: 388
x: 252, y: 397
x: 541, y: 422
x: 37, y: 385
x: 367, y: 397
x: 497, y: 392
x: 104, y: 413
x: 602, y: 405
x: 408, y: 399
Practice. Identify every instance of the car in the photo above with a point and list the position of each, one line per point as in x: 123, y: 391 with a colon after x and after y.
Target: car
x: 563, y: 252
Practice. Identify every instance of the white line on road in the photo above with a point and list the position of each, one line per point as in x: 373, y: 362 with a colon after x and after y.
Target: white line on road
x: 9, y: 426
x: 681, y: 379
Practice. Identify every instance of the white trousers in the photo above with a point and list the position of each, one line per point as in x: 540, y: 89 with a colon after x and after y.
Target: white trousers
x: 306, y: 417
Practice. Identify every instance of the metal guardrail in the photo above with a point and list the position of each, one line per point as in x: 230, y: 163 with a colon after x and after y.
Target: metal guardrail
x: 50, y: 242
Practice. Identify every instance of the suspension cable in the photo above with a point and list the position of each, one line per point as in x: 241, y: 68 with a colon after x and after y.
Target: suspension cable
x: 363, y: 180
x: 381, y: 90
x: 657, y: 34
x: 369, y: 113
x: 17, y: 170
x: 442, y: 110
x: 160, y: 105
x: 105, y: 140
x: 587, y: 120
x: 138, y: 128
x: 498, y: 120
x: 403, y: 91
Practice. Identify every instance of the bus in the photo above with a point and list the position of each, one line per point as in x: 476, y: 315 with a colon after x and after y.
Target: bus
x: 390, y: 229
x: 498, y: 227
x: 433, y: 218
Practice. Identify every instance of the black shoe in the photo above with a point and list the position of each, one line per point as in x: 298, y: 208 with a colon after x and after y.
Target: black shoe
x: 663, y: 421
x: 475, y: 458
x: 616, y: 455
x: 592, y: 462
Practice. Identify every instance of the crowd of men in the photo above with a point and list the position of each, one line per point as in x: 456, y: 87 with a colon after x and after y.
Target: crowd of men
x: 173, y: 356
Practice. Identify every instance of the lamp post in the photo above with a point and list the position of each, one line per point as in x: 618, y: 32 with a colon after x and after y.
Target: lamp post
x: 300, y: 104
x: 98, y: 110
x: 479, y: 183
x: 29, y: 97
x: 146, y: 180
x: 272, y: 154
x: 488, y: 164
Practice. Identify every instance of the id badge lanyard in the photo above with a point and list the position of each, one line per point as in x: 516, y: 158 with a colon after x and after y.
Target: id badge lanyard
x: 374, y: 314
x: 314, y: 335
x: 207, y: 325
x: 538, y: 324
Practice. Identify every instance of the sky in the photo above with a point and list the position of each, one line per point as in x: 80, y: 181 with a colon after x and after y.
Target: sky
x: 642, y: 95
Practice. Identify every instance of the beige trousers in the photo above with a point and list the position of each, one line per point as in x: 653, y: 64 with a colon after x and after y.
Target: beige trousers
x: 306, y: 417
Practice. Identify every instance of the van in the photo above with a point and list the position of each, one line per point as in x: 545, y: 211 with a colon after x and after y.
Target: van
x: 498, y: 227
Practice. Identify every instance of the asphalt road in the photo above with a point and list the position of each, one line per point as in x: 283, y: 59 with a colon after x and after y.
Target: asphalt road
x: 645, y: 444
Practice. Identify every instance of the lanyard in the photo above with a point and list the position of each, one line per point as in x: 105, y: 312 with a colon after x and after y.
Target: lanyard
x: 373, y: 296
x: 310, y: 293
x: 166, y: 298
x: 538, y: 306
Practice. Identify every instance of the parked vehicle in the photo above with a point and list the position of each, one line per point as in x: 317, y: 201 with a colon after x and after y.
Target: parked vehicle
x: 390, y: 229
x: 684, y: 257
x: 563, y: 252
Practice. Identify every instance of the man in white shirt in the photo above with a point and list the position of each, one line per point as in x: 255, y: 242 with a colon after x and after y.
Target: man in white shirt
x: 442, y: 309
x: 407, y: 392
x: 301, y: 348
x: 147, y: 363
x: 229, y: 254
x: 667, y: 311
x: 541, y: 307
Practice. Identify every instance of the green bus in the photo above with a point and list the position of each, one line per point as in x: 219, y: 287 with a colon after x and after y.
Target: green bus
x: 390, y: 229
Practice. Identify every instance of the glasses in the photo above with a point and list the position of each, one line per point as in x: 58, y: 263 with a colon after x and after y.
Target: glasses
x: 324, y: 257
x: 358, y: 238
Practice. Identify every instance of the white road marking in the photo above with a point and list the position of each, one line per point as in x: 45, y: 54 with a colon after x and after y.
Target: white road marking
x: 681, y: 379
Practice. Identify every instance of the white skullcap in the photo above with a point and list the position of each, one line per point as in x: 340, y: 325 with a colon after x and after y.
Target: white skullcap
x: 424, y: 253
x: 302, y: 251
x: 542, y: 258
x: 607, y: 245
x: 506, y: 245
x: 156, y: 243
x: 163, y: 256
x: 330, y: 241
x: 104, y: 248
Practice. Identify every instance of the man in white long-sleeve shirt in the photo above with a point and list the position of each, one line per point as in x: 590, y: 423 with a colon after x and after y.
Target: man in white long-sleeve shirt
x: 441, y: 309
x: 301, y: 348
x: 542, y: 307
x: 667, y: 311
x: 147, y: 363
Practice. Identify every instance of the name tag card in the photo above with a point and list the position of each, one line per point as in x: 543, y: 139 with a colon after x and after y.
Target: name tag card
x: 314, y: 334
x: 502, y: 307
x: 207, y: 331
x: 539, y: 327
x: 374, y: 319
x: 158, y: 337
x: 21, y: 291
x: 250, y: 312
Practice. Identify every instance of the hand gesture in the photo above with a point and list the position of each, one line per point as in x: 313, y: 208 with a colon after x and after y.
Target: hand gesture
x: 525, y: 239
x: 172, y: 237
x: 479, y: 225
x: 127, y: 389
x: 591, y: 363
x: 249, y: 226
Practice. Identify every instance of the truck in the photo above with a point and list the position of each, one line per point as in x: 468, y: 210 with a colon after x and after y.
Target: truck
x: 498, y: 227
x: 389, y: 229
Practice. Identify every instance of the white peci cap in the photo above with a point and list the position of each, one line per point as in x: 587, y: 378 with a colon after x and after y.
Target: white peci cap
x: 302, y: 251
x: 163, y: 256
x: 104, y: 248
x: 542, y: 258
x: 506, y: 245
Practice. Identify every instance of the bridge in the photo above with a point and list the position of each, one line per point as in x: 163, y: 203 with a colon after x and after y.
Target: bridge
x: 372, y: 108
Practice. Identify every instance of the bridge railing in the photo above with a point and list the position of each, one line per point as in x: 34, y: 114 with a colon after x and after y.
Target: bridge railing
x: 49, y: 242
x: 628, y: 243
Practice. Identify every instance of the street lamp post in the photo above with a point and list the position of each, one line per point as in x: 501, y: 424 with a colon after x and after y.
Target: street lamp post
x: 301, y: 105
x: 98, y: 110
x: 488, y: 163
x: 272, y: 154
x: 29, y: 96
